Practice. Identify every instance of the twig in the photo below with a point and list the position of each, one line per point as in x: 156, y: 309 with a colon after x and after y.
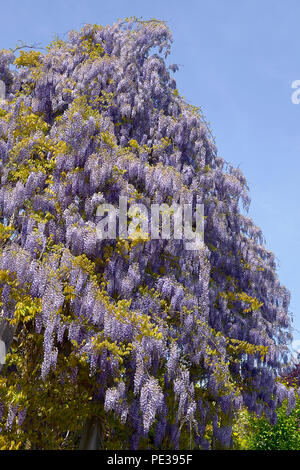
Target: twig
x: 22, y: 45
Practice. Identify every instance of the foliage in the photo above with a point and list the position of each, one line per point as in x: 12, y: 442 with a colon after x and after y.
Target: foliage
x: 257, y: 433
x: 292, y: 377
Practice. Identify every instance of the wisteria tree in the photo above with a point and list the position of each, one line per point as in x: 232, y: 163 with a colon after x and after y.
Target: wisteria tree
x: 153, y: 345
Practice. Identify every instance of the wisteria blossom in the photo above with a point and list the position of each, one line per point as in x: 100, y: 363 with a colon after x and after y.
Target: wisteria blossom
x: 174, y: 340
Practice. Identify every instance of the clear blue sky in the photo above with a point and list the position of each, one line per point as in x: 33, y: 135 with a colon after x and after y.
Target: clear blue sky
x: 237, y: 60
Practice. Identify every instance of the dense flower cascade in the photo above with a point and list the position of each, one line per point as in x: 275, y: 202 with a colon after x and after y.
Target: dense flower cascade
x: 138, y: 332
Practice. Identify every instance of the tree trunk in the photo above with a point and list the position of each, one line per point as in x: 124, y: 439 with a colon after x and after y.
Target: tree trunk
x: 93, y: 435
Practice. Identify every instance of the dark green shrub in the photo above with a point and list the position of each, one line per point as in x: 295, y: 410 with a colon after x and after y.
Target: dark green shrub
x: 252, y: 433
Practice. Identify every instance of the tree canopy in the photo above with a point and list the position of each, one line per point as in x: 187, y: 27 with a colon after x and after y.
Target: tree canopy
x: 161, y: 345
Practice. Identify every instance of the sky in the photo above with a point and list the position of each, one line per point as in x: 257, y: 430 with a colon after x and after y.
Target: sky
x: 237, y: 60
